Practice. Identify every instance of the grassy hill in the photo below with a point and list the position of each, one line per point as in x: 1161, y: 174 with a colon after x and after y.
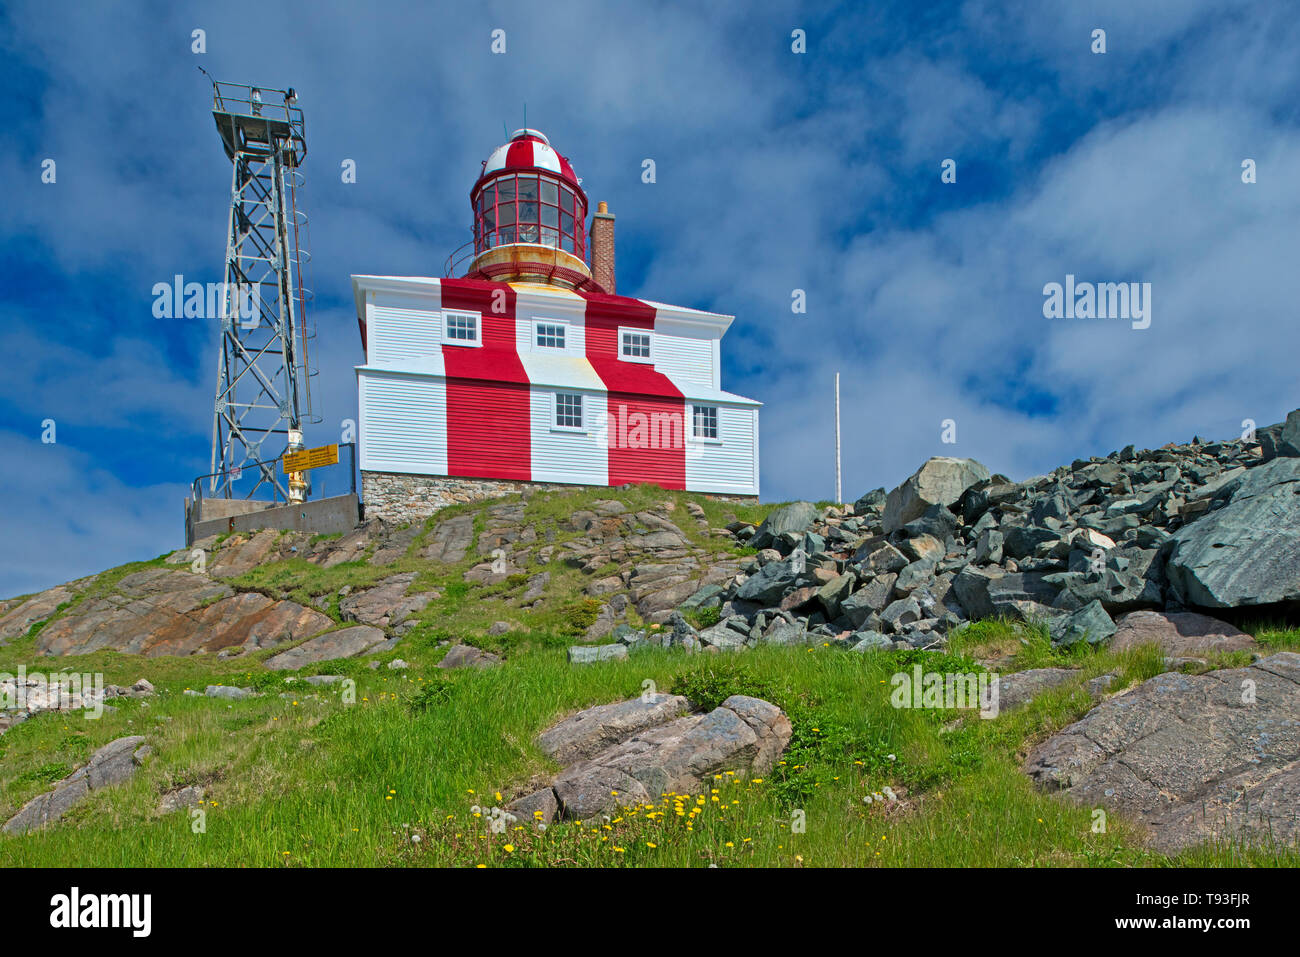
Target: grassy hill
x: 403, y: 766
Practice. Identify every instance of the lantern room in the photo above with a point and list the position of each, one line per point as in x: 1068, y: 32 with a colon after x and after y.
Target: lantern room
x: 530, y: 215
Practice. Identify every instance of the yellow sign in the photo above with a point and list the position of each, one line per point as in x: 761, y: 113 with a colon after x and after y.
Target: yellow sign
x: 310, y: 458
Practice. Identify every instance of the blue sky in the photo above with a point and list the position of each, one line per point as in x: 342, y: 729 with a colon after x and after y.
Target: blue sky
x: 775, y: 171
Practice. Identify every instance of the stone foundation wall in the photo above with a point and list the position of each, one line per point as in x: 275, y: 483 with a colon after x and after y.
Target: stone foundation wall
x: 404, y: 498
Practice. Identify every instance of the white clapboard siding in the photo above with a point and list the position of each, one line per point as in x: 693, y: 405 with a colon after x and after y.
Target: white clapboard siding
x: 403, y: 332
x: 685, y: 353
x: 403, y: 423
x: 731, y: 466
x: 580, y: 458
x: 567, y: 309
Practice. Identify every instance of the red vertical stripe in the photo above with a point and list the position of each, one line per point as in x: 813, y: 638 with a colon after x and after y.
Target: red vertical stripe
x: 520, y: 154
x: 487, y: 388
x: 647, y: 413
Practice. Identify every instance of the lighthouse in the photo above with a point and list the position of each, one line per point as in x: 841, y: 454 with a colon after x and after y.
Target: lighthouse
x: 521, y: 366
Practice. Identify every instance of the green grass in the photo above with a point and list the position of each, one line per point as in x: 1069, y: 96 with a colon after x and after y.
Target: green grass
x: 337, y: 784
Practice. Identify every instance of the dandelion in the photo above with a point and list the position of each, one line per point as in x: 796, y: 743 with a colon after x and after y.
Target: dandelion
x: 651, y: 844
x: 730, y: 844
x: 509, y: 848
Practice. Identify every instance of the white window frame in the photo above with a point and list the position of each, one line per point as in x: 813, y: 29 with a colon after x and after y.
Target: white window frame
x: 632, y: 330
x: 555, y: 413
x: 560, y: 324
x: 717, y: 421
x: 449, y: 339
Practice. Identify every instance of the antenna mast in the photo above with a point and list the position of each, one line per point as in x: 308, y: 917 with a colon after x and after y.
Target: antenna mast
x: 263, y: 394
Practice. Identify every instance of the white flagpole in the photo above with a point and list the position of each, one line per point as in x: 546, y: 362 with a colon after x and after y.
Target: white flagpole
x: 839, y: 494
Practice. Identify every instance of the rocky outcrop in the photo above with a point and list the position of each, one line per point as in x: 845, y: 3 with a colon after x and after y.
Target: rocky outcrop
x: 1194, y: 758
x: 450, y: 540
x: 20, y: 616
x: 160, y: 611
x: 111, y: 764
x: 633, y: 751
x: 467, y: 656
x: 386, y: 603
x: 344, y: 643
x: 1180, y: 634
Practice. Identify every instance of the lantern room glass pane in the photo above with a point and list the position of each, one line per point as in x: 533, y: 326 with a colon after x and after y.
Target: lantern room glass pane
x: 550, y: 216
x: 566, y: 199
x: 490, y: 218
x: 550, y: 237
x: 528, y: 187
x: 506, y: 235
x: 566, y: 243
x: 505, y: 188
x: 566, y: 224
x: 528, y: 233
x: 506, y: 214
x: 528, y: 212
x: 550, y: 192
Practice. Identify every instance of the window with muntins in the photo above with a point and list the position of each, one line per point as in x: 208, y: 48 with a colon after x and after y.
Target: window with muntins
x: 706, y: 422
x: 568, y: 410
x: 636, y: 345
x: 461, y: 327
x: 550, y: 335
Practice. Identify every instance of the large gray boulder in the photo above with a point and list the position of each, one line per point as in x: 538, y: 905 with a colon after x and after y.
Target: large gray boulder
x: 1248, y: 551
x: 743, y: 734
x: 591, y: 731
x: 1090, y: 623
x: 1288, y: 441
x: 1195, y: 758
x: 789, y: 521
x: 940, y: 481
x: 768, y: 584
x: 1179, y: 634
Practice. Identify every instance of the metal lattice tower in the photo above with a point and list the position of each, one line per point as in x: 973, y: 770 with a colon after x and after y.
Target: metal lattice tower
x: 263, y: 377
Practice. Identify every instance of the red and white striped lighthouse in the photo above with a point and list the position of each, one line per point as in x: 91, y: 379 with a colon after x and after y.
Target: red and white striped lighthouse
x: 527, y: 368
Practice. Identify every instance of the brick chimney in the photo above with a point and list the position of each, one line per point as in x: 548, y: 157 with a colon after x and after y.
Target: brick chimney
x: 602, y: 247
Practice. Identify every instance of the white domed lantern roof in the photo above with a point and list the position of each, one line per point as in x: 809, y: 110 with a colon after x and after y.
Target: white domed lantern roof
x: 530, y: 215
x: 530, y: 150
